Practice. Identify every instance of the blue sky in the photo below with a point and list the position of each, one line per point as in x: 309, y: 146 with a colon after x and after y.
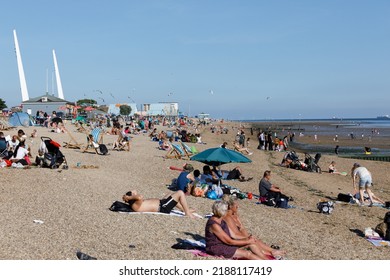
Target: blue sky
x: 313, y: 59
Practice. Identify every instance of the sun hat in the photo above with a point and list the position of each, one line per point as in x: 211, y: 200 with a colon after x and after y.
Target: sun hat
x: 188, y: 167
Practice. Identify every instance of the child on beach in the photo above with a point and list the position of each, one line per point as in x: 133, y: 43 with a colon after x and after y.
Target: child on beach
x: 332, y: 168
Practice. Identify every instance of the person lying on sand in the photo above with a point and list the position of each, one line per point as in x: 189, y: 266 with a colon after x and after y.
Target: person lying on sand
x: 241, y: 149
x: 165, y: 205
x: 234, y: 174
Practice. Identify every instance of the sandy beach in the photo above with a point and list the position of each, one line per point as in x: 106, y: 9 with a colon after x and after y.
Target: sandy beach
x: 73, y: 205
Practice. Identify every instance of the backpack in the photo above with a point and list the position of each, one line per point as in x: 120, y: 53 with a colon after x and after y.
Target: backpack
x: 103, y: 149
x: 325, y: 207
x: 282, y: 203
x: 118, y: 206
x: 344, y: 197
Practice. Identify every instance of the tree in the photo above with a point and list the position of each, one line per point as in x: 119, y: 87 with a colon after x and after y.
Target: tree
x: 2, y: 104
x: 124, y: 110
x: 86, y: 102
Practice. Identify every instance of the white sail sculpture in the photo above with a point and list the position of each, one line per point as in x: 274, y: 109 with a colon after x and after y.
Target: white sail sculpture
x: 58, y: 78
x: 22, y: 78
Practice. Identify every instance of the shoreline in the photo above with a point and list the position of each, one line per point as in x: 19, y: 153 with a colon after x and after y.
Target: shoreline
x: 325, y: 135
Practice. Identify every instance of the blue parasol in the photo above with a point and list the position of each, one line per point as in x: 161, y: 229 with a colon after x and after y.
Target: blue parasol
x: 218, y: 156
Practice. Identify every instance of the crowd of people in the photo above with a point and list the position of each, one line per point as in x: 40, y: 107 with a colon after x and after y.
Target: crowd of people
x: 225, y: 234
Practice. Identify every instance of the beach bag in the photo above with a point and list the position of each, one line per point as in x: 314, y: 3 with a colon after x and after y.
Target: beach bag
x: 103, y: 149
x: 49, y: 160
x: 270, y: 202
x: 211, y: 194
x: 119, y: 206
x: 8, y: 162
x: 344, y: 197
x: 282, y: 203
x: 218, y: 190
x: 325, y: 207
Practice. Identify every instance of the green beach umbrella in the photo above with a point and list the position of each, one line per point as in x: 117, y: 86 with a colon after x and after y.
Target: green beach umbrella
x: 218, y: 156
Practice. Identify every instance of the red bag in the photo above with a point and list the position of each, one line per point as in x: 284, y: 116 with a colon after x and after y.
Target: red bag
x: 9, y: 163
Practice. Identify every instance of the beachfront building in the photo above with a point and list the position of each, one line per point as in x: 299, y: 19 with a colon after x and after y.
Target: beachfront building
x: 47, y: 103
x: 161, y: 109
x: 114, y: 109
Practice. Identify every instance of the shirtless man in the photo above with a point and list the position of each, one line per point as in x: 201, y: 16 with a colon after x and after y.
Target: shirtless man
x: 165, y: 205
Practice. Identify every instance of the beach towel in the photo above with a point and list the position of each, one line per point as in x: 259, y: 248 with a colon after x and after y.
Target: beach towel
x: 378, y: 242
x: 198, y: 248
x: 174, y: 212
x: 374, y: 238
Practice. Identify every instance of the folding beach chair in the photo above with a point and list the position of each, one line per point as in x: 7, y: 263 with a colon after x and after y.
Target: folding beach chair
x: 72, y: 144
x: 189, y: 151
x: 94, y: 139
x: 122, y: 144
x: 176, y: 152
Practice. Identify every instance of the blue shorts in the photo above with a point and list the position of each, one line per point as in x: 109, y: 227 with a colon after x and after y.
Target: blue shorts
x: 365, y: 182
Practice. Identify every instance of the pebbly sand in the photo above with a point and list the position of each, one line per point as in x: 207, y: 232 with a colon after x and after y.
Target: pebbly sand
x: 73, y: 205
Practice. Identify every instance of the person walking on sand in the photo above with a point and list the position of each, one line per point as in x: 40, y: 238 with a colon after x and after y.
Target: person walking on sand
x: 165, y: 205
x: 365, y: 182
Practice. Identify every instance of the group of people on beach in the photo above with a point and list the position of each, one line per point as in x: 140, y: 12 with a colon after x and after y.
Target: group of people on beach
x: 16, y: 151
x: 225, y: 235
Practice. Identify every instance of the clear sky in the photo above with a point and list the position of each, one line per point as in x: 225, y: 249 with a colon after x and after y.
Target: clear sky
x: 233, y: 59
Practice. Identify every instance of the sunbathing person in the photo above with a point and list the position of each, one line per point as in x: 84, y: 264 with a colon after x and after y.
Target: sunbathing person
x: 165, y: 205
x: 241, y: 149
x: 234, y: 174
x: 219, y: 241
x: 238, y: 231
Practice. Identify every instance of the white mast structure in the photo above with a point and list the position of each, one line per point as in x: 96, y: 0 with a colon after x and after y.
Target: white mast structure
x: 58, y: 78
x: 22, y: 78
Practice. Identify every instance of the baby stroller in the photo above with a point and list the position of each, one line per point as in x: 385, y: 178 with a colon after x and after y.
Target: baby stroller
x: 50, y: 154
x: 291, y: 160
x: 312, y: 163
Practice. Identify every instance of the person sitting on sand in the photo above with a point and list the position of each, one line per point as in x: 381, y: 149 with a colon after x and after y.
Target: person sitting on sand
x: 224, y: 145
x: 165, y: 205
x: 269, y: 191
x: 12, y: 144
x: 185, y: 180
x: 241, y: 149
x: 153, y: 135
x: 238, y: 231
x: 208, y: 177
x: 332, y: 168
x: 20, y: 154
x: 219, y: 241
x: 34, y: 134
x: 165, y: 144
